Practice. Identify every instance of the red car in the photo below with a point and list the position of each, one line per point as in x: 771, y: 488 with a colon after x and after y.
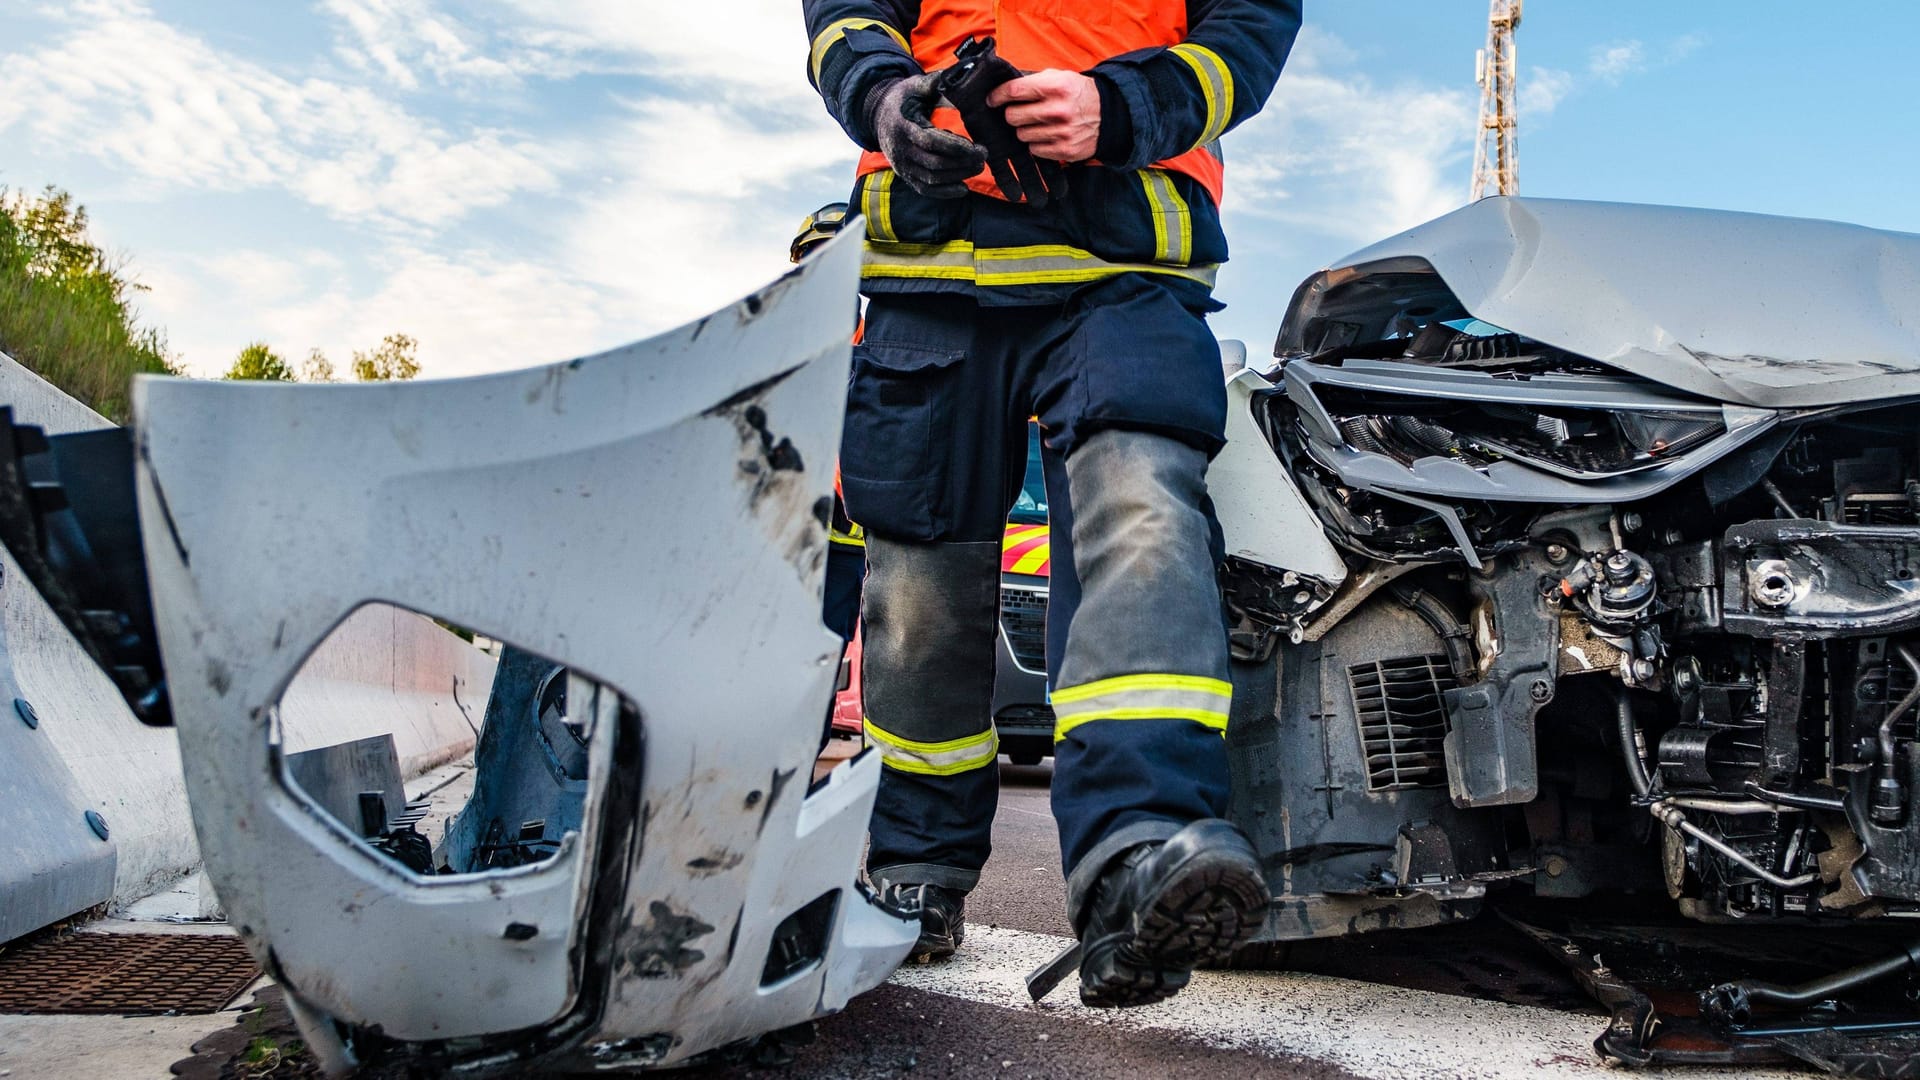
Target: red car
x: 1020, y: 708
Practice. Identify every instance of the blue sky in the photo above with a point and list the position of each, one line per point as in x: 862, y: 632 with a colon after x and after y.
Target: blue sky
x: 517, y: 181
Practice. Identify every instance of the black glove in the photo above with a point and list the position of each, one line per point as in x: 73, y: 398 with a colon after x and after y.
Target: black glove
x: 936, y: 163
x: 966, y: 85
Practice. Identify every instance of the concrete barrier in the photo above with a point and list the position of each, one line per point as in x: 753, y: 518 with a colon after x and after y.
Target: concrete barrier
x: 125, y: 770
x: 383, y: 670
x: 386, y: 670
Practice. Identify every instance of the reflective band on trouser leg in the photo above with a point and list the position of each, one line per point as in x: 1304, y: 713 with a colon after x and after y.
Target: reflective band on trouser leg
x: 1216, y: 85
x: 935, y: 759
x: 1202, y: 700
x: 1146, y: 646
x: 1034, y: 264
x: 930, y: 627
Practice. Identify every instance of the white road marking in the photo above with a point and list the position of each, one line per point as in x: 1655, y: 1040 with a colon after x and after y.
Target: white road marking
x: 1376, y: 1031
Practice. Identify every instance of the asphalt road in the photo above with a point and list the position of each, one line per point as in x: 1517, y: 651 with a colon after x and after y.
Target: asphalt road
x: 903, y: 1031
x: 1473, y: 1000
x: 964, y: 1028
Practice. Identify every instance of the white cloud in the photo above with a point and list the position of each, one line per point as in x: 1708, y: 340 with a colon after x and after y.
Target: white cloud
x: 1684, y: 46
x: 679, y: 242
x: 178, y: 114
x: 1542, y: 90
x: 1337, y: 153
x: 397, y: 37
x: 1617, y: 60
x: 750, y: 51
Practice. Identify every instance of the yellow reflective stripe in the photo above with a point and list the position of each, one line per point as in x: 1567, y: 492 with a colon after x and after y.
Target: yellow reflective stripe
x: 1143, y: 697
x: 1172, y: 218
x: 935, y: 759
x: 844, y: 540
x: 1158, y: 210
x: 1033, y: 264
x: 1017, y: 534
x: 1121, y: 683
x: 876, y: 202
x: 837, y: 30
x: 1032, y: 560
x: 1210, y: 719
x: 1216, y: 85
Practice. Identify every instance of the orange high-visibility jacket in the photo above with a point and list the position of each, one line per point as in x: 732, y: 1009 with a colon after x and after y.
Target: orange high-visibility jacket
x: 1173, y: 76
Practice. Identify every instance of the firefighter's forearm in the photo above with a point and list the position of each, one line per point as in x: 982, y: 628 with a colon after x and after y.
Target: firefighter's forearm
x: 854, y: 46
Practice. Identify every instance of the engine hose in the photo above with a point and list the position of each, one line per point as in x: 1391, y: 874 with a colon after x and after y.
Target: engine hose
x: 1789, y: 798
x: 1889, y: 795
x: 1453, y: 632
x: 1630, y: 742
x: 1673, y: 818
x: 1731, y: 1003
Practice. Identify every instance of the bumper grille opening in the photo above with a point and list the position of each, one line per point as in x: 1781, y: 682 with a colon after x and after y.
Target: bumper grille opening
x: 800, y: 941
x: 1023, y: 615
x: 1402, y: 720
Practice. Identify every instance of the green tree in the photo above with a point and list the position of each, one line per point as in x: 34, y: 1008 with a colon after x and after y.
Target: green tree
x: 391, y: 360
x: 66, y: 308
x: 258, y: 362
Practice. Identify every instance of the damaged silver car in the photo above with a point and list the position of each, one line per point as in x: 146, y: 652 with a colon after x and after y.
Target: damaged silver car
x: 1575, y: 549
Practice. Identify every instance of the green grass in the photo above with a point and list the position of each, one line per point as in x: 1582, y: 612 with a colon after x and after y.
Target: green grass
x: 65, y: 308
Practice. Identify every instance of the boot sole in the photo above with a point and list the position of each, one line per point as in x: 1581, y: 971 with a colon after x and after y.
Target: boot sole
x: 1206, y: 910
x: 933, y: 947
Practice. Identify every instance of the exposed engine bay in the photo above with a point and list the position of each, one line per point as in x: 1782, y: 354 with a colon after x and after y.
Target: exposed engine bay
x: 1595, y: 634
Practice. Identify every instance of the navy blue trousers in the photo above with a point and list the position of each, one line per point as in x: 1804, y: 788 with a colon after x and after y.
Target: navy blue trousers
x: 1127, y: 385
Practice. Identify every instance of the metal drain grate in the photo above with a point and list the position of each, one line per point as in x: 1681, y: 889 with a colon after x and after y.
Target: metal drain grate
x: 125, y: 974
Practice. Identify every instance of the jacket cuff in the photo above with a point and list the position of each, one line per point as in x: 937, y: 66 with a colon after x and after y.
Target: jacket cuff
x: 869, y: 57
x: 1116, y: 123
x: 1125, y: 90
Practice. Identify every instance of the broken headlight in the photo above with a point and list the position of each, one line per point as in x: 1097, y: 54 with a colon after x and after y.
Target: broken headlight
x: 1580, y: 443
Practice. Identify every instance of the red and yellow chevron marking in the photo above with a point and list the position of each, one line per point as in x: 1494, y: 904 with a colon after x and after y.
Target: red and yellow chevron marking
x: 1026, y: 550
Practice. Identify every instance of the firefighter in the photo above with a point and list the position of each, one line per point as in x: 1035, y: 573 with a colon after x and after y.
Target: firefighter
x: 846, y: 542
x: 1053, y: 254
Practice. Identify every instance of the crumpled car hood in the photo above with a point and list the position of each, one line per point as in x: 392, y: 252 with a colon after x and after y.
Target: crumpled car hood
x: 1766, y: 311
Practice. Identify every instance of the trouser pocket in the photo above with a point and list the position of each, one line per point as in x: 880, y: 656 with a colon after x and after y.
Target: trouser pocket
x: 892, y: 463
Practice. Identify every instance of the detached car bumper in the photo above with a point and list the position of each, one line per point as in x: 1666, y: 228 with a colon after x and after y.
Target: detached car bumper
x: 710, y: 894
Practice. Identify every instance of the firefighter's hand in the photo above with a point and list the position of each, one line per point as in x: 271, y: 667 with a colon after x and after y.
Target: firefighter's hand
x: 934, y: 162
x: 1057, y: 113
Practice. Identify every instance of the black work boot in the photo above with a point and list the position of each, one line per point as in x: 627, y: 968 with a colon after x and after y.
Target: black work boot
x: 942, y: 914
x: 1162, y: 909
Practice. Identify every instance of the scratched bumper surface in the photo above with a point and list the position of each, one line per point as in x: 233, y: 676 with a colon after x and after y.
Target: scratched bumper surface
x: 653, y: 517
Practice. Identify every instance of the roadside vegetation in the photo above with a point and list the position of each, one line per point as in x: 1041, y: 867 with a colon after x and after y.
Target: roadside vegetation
x: 65, y: 305
x: 391, y: 360
x: 66, y: 313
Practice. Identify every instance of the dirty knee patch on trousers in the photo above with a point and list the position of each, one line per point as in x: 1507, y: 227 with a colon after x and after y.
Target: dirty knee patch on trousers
x: 931, y: 616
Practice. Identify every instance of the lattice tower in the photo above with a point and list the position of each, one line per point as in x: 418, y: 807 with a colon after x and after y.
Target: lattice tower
x: 1496, y: 153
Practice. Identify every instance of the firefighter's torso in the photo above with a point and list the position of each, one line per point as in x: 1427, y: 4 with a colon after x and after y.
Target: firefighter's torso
x: 1162, y: 220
